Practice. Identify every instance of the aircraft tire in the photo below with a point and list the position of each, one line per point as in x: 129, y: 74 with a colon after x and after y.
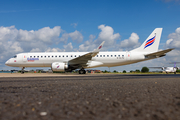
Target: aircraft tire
x: 82, y: 72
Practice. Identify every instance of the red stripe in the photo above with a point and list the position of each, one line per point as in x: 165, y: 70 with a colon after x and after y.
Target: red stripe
x: 150, y: 42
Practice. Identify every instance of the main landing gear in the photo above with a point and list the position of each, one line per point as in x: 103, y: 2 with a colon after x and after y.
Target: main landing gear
x: 82, y: 71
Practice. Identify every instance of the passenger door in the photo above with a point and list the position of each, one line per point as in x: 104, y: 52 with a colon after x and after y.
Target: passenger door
x: 24, y: 57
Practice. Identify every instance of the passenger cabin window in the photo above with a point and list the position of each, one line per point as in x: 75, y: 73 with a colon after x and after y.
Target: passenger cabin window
x: 71, y: 56
x: 38, y: 56
x: 111, y: 55
x: 75, y: 56
x: 103, y: 55
x: 59, y: 56
x: 56, y: 56
x: 100, y: 55
x: 66, y: 55
x: 97, y: 55
x: 118, y: 55
x: 107, y: 55
x: 48, y: 56
x: 52, y: 56
x: 45, y: 56
x: 34, y: 56
x: 41, y: 56
x: 30, y: 56
x: 63, y: 55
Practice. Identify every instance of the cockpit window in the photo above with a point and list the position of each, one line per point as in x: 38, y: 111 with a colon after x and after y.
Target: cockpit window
x: 15, y: 56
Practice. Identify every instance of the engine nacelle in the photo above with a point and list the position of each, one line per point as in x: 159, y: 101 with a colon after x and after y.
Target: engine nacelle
x: 57, y: 66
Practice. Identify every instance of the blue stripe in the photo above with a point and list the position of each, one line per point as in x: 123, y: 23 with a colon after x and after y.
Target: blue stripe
x: 148, y: 45
x: 150, y: 39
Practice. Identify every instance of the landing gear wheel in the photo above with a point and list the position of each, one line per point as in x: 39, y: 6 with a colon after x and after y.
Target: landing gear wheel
x: 82, y: 72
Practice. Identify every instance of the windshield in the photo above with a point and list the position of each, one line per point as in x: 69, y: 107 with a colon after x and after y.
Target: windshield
x: 15, y: 56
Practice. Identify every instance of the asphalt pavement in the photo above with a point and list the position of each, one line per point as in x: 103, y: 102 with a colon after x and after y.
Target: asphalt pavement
x: 97, y: 97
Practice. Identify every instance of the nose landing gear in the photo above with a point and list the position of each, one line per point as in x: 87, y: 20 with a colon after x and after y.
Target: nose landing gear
x: 22, y: 71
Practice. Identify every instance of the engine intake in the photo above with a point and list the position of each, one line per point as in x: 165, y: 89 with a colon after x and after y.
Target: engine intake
x: 57, y: 66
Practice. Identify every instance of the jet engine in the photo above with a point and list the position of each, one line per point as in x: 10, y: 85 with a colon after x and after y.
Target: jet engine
x: 57, y: 66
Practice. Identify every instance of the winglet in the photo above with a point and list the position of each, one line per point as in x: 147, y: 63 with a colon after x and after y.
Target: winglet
x: 96, y: 51
x: 100, y: 46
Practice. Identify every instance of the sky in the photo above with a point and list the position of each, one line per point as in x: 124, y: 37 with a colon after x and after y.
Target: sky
x: 81, y: 25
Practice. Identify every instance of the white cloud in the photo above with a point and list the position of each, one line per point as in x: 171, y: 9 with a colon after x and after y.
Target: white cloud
x: 64, y: 37
x: 35, y: 50
x: 54, y: 50
x: 173, y: 42
x: 131, y: 42
x: 87, y: 46
x: 8, y: 33
x: 68, y: 47
x: 16, y: 47
x: 13, y: 41
x: 107, y: 34
x: 45, y: 34
x: 76, y: 35
x: 74, y: 25
x: 174, y: 39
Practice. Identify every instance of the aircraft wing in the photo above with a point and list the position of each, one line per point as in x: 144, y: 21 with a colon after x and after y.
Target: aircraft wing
x: 81, y: 62
x: 157, y: 67
x: 159, y: 53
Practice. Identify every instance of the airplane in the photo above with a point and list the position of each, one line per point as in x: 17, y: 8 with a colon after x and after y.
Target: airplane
x: 168, y: 69
x: 68, y: 61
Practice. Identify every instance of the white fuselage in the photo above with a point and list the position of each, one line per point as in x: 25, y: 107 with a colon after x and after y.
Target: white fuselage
x: 170, y: 69
x: 103, y: 59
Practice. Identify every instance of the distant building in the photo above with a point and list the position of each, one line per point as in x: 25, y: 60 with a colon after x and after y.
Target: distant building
x: 93, y: 71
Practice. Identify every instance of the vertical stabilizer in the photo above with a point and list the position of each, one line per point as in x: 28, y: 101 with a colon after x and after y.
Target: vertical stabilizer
x: 151, y: 44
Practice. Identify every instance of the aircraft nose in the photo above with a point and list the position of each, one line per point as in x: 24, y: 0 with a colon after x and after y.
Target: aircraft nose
x: 7, y: 62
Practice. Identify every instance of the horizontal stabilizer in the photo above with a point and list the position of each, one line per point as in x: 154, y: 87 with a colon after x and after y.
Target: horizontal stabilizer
x: 159, y: 53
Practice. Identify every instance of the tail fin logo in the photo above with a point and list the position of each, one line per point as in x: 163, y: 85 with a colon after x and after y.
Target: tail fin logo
x: 100, y: 47
x: 149, y: 42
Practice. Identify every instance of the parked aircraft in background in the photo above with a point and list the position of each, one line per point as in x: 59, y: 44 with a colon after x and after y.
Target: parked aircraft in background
x: 68, y: 61
x: 168, y: 69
